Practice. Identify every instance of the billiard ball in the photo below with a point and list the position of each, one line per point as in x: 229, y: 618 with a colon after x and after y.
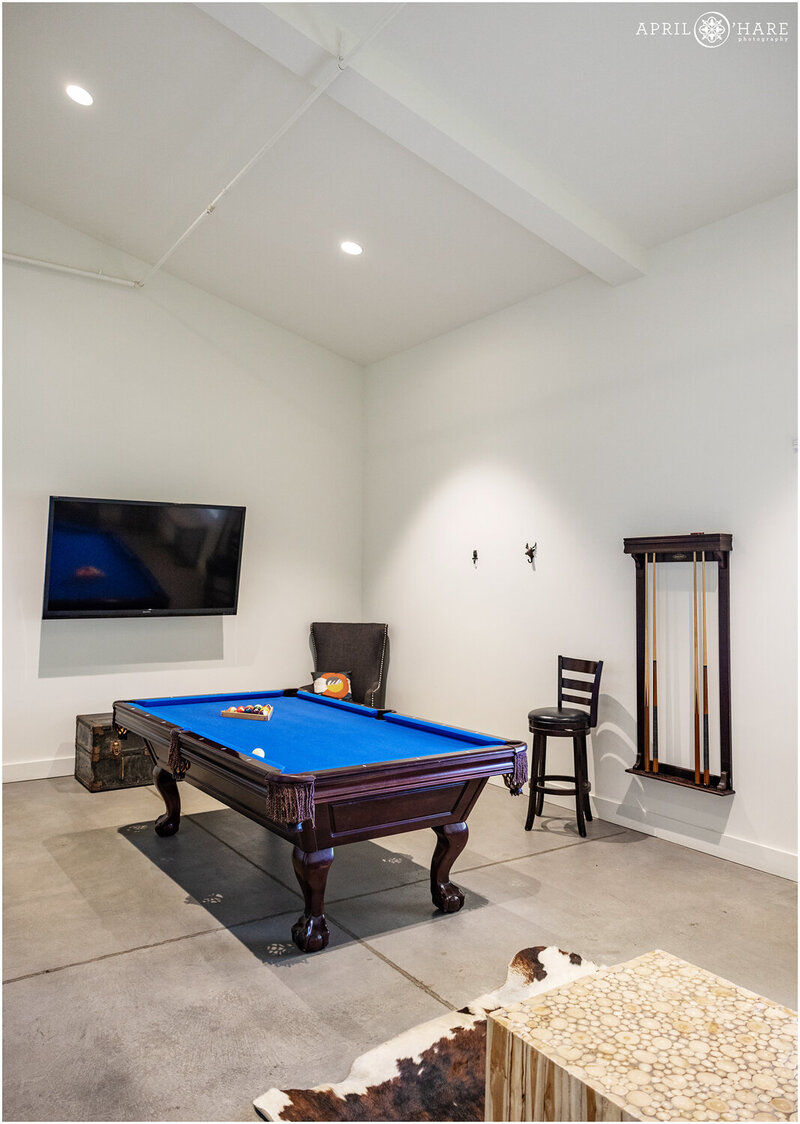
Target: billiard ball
x: 240, y: 709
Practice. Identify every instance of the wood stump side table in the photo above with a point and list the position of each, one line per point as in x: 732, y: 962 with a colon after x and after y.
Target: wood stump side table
x: 655, y: 1038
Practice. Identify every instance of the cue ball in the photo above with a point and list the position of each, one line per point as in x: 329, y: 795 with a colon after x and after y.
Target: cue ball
x: 258, y: 752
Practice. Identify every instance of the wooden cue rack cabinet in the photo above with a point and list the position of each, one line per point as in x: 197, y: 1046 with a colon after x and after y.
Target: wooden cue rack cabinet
x: 682, y: 548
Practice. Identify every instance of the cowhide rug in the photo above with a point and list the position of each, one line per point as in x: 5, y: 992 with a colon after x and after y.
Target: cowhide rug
x: 435, y: 1071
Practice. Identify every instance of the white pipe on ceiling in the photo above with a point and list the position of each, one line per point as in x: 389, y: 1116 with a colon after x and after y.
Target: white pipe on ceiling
x: 331, y: 71
x: 333, y: 68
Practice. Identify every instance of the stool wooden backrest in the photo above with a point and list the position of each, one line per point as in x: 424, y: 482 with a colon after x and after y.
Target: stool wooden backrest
x: 567, y: 688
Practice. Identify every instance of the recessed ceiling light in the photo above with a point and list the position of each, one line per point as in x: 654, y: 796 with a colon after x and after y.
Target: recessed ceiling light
x: 78, y: 94
x: 352, y: 248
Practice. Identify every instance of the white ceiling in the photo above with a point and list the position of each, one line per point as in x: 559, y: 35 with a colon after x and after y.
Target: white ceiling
x: 481, y: 153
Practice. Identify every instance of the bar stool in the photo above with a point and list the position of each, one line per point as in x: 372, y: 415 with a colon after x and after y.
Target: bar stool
x: 563, y: 722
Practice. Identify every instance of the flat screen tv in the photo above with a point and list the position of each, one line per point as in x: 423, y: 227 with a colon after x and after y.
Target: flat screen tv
x: 128, y: 558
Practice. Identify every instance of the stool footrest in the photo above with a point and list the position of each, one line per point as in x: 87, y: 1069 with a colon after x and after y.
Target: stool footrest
x: 539, y: 787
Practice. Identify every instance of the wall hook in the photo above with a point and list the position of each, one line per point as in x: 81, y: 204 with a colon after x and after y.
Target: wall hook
x: 475, y: 558
x: 530, y: 552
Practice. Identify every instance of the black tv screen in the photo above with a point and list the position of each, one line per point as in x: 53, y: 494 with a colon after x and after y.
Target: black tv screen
x: 127, y: 558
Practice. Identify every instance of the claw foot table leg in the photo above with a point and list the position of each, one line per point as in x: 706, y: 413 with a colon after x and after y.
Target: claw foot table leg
x: 309, y: 932
x: 451, y: 839
x: 170, y: 821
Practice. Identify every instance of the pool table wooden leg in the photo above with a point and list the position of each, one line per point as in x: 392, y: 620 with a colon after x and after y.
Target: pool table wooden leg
x: 309, y: 932
x: 164, y: 781
x: 451, y: 839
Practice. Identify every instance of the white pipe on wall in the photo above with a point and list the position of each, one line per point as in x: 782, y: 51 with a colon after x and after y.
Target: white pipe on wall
x: 94, y: 275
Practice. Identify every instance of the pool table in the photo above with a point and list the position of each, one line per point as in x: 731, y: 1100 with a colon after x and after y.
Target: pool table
x: 321, y: 773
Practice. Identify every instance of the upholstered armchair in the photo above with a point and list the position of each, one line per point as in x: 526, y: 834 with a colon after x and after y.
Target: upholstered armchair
x: 361, y: 650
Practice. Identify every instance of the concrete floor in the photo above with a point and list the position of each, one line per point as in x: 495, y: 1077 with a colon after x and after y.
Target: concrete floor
x: 155, y: 979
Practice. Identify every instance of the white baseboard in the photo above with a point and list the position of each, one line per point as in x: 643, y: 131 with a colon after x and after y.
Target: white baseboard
x: 743, y: 851
x: 38, y: 770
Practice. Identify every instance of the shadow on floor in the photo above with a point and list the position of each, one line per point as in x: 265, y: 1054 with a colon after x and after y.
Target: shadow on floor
x: 239, y: 873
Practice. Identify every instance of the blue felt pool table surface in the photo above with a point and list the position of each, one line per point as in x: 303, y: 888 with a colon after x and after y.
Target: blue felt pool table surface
x: 309, y: 733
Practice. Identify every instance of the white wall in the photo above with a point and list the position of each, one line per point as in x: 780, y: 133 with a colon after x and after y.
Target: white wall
x: 576, y: 419
x: 165, y: 393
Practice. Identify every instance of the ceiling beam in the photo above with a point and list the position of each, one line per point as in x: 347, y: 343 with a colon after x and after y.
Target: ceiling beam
x: 301, y: 37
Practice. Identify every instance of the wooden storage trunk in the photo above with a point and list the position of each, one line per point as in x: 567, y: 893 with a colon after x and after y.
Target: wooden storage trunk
x: 105, y: 759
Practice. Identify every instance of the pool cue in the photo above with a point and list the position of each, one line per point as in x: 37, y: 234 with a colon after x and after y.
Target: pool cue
x: 646, y: 677
x: 655, y: 675
x: 696, y: 687
x: 705, y: 681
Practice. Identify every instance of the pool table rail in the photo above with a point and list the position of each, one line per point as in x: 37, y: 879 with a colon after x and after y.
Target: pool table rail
x: 471, y: 762
x: 213, y: 767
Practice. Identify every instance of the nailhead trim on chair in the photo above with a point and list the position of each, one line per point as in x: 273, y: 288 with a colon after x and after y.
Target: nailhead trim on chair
x: 380, y: 673
x: 377, y: 689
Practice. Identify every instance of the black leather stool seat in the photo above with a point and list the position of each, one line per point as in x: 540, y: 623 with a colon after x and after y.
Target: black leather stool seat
x: 552, y: 718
